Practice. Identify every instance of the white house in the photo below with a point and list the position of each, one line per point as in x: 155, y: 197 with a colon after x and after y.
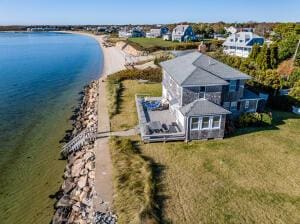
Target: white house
x: 240, y: 44
x: 159, y: 32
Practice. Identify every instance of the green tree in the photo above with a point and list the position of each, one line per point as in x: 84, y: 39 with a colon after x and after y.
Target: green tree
x: 255, y: 51
x: 274, y: 55
x: 287, y: 46
x: 295, y: 92
x: 263, y: 59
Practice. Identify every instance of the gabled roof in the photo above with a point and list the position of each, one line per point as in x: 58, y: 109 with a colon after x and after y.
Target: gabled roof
x: 180, y: 29
x: 199, y: 69
x: 243, y: 39
x: 203, y: 107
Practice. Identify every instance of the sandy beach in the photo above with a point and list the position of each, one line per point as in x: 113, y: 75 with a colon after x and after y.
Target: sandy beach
x: 114, y: 61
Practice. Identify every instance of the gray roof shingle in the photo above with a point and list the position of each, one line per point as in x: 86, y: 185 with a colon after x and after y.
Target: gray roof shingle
x: 203, y: 107
x: 199, y: 69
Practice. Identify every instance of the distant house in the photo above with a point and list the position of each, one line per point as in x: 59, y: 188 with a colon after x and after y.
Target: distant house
x: 233, y: 30
x: 183, y: 33
x: 134, y: 32
x: 159, y: 32
x: 167, y: 36
x: 199, y: 94
x: 240, y: 44
x: 219, y: 36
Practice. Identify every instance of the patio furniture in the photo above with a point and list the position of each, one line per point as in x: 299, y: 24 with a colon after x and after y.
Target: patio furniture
x: 155, y: 126
x: 172, y: 129
x: 165, y: 128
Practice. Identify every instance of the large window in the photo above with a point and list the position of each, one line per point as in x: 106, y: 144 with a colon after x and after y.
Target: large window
x: 216, y: 121
x: 232, y: 86
x: 205, y: 123
x: 195, y: 123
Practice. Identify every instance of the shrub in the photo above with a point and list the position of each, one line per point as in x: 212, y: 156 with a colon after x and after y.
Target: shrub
x: 253, y: 120
x: 114, y: 85
x: 283, y: 103
x: 151, y: 74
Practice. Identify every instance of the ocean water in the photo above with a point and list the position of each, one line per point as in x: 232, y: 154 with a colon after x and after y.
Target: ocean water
x: 41, y: 75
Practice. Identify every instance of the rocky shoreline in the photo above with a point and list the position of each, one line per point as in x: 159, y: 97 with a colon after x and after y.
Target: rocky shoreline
x: 75, y: 198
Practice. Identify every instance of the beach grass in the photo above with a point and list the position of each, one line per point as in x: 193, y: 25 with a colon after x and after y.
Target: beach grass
x: 133, y: 183
x: 126, y: 118
x: 251, y: 177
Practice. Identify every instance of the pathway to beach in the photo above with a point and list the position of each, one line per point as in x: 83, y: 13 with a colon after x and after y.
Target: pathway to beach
x: 114, y: 60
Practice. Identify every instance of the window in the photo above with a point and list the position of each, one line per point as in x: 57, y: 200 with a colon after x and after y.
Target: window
x: 233, y: 106
x: 205, y: 123
x: 216, y: 122
x: 232, y: 86
x: 195, y: 123
x: 202, y: 88
x: 226, y: 105
x: 247, y: 104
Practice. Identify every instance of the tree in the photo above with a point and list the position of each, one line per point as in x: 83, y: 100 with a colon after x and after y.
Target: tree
x: 255, y: 51
x: 287, y: 46
x: 263, y: 58
x: 295, y: 92
x: 274, y: 56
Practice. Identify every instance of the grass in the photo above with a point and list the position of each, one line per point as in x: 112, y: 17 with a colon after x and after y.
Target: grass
x: 133, y: 184
x: 155, y: 44
x: 127, y: 116
x: 252, y: 177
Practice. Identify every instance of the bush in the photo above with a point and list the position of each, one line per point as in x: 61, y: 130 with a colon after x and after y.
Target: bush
x: 151, y: 74
x: 254, y: 120
x: 114, y: 85
x: 283, y: 103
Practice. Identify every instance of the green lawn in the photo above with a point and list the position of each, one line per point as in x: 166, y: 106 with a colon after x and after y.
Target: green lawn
x: 252, y: 177
x: 249, y: 178
x: 127, y: 118
x: 153, y: 44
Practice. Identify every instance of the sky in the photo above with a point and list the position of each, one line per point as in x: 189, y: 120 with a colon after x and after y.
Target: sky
x: 63, y: 12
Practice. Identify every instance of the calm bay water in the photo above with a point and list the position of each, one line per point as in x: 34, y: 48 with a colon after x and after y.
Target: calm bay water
x: 41, y: 75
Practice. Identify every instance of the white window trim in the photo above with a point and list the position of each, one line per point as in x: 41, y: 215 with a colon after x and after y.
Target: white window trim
x: 212, y: 119
x: 210, y: 123
x: 191, y: 122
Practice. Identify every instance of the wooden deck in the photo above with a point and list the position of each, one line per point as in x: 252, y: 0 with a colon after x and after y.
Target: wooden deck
x: 164, y: 117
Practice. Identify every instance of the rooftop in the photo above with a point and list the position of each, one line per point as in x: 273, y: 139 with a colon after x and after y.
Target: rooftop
x: 200, y: 69
x: 242, y: 39
x: 203, y: 107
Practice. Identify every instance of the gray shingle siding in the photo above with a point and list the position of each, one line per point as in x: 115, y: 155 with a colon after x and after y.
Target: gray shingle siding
x: 212, y: 93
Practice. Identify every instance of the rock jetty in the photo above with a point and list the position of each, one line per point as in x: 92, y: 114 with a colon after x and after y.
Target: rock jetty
x: 75, y: 198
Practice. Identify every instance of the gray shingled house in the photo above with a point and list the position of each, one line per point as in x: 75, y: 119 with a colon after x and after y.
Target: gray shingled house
x: 198, y: 94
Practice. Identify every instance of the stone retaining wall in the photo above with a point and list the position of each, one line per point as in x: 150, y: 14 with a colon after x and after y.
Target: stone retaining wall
x: 75, y: 198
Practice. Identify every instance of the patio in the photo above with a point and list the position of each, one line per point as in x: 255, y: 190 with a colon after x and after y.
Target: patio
x: 157, y: 123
